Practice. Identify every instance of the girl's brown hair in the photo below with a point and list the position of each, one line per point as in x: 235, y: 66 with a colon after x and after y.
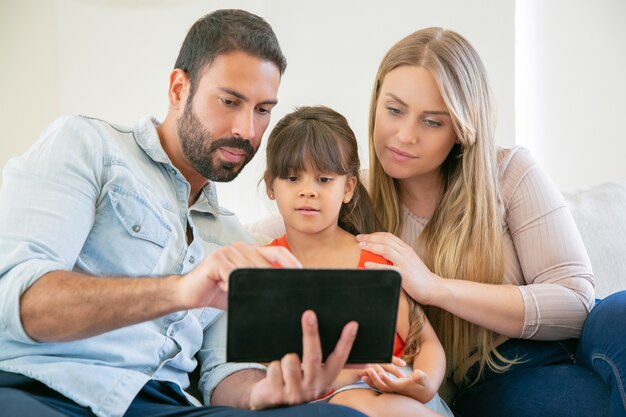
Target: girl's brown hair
x: 319, y: 137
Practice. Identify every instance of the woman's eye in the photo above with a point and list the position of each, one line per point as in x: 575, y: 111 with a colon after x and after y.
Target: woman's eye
x: 228, y: 102
x: 394, y: 111
x: 432, y: 123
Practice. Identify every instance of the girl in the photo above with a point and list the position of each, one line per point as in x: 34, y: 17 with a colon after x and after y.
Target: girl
x: 313, y: 174
x: 486, y: 243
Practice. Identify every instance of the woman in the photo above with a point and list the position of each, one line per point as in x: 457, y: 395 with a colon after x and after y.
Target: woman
x: 485, y: 242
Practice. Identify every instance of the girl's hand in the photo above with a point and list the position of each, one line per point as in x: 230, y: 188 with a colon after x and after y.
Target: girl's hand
x: 417, y: 385
x: 417, y: 280
x: 355, y: 373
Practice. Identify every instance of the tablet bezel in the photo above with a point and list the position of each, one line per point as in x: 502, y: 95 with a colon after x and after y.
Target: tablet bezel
x: 265, y: 307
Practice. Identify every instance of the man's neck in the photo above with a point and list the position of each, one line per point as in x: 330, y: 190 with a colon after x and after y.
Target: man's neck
x: 171, y: 145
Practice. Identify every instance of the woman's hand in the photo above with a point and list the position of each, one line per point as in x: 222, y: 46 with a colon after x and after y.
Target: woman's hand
x: 417, y: 280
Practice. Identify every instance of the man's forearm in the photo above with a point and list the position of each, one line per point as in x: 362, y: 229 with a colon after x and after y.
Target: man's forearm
x: 64, y: 305
x: 234, y: 390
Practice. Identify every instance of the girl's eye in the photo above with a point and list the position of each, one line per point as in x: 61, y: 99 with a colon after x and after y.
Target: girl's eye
x: 292, y: 178
x: 432, y: 123
x: 325, y: 180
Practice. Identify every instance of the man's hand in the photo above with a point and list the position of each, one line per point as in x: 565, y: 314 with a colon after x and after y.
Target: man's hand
x: 291, y: 381
x: 207, y: 284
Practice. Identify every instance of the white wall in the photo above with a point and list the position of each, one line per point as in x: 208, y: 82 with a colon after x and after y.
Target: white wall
x: 111, y: 58
x: 571, y: 88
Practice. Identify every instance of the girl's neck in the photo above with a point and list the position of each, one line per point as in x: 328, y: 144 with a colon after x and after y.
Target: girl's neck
x: 330, y: 248
x: 421, y: 195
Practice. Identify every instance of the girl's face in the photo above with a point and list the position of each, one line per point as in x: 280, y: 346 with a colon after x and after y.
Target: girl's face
x: 310, y: 201
x: 413, y: 131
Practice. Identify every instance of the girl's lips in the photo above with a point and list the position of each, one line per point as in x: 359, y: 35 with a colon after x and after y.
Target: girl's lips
x: 307, y: 210
x: 399, y: 155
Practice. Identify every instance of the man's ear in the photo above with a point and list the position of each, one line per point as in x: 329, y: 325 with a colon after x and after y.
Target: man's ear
x: 351, y: 182
x: 179, y: 88
x: 269, y: 189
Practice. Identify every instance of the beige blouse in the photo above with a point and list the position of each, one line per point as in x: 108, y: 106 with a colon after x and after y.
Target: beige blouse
x: 544, y: 254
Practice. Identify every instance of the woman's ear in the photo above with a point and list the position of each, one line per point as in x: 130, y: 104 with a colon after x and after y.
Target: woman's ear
x: 350, y: 186
x: 269, y: 189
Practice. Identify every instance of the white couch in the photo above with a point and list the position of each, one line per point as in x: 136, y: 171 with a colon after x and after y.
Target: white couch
x: 600, y: 214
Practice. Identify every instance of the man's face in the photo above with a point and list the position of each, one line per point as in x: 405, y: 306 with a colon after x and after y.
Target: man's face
x: 224, y: 120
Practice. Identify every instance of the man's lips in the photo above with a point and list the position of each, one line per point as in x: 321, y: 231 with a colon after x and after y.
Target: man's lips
x: 232, y: 154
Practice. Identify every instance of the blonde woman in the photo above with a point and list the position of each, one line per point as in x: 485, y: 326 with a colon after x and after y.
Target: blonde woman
x: 485, y: 242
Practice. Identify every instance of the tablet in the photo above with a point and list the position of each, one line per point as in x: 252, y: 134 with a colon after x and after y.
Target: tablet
x: 265, y: 307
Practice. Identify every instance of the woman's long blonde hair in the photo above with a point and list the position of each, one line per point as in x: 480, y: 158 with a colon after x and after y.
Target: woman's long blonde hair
x: 463, y: 239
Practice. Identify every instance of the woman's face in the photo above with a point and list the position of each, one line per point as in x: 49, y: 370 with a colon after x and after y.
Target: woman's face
x: 413, y: 131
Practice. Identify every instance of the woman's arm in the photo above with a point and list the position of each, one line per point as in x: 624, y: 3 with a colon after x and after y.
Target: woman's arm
x: 548, y: 288
x: 496, y: 307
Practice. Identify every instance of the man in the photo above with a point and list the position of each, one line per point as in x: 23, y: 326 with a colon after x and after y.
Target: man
x: 116, y: 255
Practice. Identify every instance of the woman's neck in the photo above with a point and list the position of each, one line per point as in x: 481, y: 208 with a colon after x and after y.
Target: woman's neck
x: 331, y: 248
x: 421, y: 195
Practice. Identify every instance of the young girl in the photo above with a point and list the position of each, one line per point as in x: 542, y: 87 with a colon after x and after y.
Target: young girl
x: 313, y: 174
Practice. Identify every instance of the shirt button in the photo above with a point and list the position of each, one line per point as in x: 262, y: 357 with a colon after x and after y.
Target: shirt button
x: 136, y: 228
x: 173, y: 171
x: 192, y: 259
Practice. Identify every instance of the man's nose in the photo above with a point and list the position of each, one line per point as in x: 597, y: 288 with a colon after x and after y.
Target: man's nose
x: 243, y: 125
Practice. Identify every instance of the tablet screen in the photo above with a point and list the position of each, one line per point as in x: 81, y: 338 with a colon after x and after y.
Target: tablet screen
x: 265, y: 307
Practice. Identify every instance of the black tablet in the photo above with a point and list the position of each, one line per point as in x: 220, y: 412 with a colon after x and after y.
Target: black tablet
x: 265, y: 307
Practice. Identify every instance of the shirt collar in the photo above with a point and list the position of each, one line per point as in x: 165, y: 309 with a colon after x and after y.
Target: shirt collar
x: 147, y: 138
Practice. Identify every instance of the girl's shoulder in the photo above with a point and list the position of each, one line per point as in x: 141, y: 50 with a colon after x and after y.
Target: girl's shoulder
x: 372, y: 257
x: 281, y: 241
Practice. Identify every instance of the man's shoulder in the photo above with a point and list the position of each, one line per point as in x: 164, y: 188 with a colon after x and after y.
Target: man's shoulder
x: 76, y: 128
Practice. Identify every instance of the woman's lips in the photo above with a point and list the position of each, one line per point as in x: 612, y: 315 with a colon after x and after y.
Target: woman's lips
x: 399, y: 155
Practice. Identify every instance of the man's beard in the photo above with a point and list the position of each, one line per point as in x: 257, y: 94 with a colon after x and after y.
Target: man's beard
x: 199, y: 147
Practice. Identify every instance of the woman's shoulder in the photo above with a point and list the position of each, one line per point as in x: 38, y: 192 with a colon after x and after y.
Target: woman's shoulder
x: 514, y: 164
x: 513, y: 160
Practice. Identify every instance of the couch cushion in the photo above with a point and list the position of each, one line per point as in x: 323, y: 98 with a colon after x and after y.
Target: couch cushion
x: 600, y: 214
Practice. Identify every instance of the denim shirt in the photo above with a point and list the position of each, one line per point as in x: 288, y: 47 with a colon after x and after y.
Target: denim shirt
x: 105, y: 200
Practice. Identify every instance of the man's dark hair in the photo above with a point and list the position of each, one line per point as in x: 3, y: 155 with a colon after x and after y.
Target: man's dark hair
x: 224, y: 31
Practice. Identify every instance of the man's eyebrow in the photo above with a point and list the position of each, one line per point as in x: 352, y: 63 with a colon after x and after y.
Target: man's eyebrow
x: 244, y: 98
x: 433, y: 112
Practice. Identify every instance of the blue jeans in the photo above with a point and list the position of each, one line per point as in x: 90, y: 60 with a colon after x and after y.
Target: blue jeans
x: 578, y: 377
x: 26, y: 397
